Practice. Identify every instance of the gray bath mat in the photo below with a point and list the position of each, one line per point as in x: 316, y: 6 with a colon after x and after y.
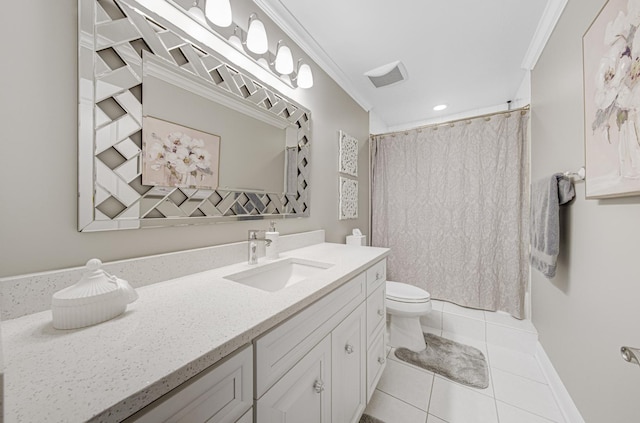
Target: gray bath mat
x: 369, y: 419
x: 458, y: 362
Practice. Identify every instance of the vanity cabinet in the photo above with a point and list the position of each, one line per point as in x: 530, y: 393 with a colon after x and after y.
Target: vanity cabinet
x: 319, y: 366
x: 222, y: 393
x: 325, y: 361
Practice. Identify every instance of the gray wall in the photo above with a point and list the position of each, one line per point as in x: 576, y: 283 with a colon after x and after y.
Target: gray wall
x: 592, y: 306
x: 38, y: 164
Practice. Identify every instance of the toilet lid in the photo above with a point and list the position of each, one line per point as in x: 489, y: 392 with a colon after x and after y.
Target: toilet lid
x: 406, y: 293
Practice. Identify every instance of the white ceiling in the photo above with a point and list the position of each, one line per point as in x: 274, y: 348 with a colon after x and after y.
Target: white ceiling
x: 468, y: 54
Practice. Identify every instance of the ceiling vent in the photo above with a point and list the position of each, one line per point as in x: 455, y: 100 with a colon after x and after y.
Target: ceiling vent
x: 388, y: 74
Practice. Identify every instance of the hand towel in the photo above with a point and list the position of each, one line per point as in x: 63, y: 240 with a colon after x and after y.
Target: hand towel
x: 546, y: 197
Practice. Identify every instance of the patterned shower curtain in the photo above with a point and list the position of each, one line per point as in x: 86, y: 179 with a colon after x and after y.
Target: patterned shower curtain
x: 452, y: 201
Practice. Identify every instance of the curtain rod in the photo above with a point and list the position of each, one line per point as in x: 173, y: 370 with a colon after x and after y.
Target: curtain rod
x: 452, y: 122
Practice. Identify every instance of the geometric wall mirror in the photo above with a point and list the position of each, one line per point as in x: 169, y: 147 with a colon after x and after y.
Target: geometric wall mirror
x: 134, y: 62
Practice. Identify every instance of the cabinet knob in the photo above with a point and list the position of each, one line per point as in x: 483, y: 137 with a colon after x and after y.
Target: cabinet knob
x: 381, y: 360
x: 380, y: 312
x: 378, y: 274
x: 318, y: 386
x: 349, y: 349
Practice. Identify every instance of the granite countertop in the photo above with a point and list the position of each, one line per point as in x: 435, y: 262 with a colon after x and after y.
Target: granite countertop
x: 175, y: 329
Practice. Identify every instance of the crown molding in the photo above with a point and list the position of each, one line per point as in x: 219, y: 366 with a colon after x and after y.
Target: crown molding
x: 550, y: 16
x: 283, y: 18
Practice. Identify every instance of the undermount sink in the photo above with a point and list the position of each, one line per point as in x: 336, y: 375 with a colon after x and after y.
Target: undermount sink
x: 280, y: 274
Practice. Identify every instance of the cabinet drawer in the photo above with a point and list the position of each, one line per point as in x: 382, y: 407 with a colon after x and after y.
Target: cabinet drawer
x: 221, y: 394
x: 281, y: 348
x: 376, y: 312
x: 376, y: 276
x: 376, y: 361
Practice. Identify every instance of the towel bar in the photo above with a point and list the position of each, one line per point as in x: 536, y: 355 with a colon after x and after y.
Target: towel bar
x: 579, y: 175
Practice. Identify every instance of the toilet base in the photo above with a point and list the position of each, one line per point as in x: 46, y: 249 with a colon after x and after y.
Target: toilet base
x: 406, y: 332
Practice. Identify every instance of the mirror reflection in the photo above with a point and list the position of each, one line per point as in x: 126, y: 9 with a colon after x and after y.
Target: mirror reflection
x: 248, y: 155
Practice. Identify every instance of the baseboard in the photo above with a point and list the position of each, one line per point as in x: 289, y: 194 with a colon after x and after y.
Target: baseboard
x: 567, y: 407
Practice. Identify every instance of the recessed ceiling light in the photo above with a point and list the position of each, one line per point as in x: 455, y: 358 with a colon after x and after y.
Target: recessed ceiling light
x: 440, y: 107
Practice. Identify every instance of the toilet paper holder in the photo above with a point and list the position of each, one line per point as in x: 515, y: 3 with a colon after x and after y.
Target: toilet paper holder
x: 630, y: 354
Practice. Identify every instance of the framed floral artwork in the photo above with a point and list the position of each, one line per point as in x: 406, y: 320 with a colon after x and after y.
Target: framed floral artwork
x: 348, y: 162
x: 176, y: 156
x: 611, y: 63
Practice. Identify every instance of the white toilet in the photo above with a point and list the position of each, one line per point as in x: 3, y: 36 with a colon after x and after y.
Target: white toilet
x: 405, y: 304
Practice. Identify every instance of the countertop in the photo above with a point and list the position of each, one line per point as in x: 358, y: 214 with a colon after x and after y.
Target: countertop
x: 175, y: 329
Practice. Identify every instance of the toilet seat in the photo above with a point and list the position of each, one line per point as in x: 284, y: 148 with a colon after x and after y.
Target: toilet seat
x: 405, y: 293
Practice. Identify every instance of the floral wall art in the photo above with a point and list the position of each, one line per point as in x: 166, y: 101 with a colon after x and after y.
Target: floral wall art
x: 611, y: 55
x: 348, y: 162
x: 177, y: 156
x: 348, y: 199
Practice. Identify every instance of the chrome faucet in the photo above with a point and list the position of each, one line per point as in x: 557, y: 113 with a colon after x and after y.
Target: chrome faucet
x: 253, y: 244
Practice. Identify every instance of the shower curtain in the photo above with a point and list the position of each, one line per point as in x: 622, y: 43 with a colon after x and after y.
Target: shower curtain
x: 451, y: 201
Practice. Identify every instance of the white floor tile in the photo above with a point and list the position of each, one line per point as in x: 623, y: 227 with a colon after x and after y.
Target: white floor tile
x: 463, y: 311
x: 511, y: 338
x: 516, y: 362
x: 457, y: 404
x: 505, y: 319
x: 517, y: 392
x: 463, y: 326
x: 510, y: 414
x: 389, y: 409
x: 406, y: 383
x: 433, y: 419
x: 526, y: 394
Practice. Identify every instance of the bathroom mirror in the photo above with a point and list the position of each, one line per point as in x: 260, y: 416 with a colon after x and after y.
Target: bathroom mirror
x: 136, y: 62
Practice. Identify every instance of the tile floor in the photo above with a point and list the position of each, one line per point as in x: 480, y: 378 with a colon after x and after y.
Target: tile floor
x: 517, y: 392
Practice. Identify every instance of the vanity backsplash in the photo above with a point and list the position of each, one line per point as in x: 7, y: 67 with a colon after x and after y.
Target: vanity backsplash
x: 31, y: 293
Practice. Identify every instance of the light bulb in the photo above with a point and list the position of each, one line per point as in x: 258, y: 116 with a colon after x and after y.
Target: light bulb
x: 257, y: 36
x: 284, y: 60
x: 439, y: 107
x: 197, y: 13
x: 218, y: 12
x: 305, y: 77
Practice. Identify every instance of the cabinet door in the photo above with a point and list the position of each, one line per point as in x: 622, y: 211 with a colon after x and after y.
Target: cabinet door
x: 304, y: 392
x: 348, y: 367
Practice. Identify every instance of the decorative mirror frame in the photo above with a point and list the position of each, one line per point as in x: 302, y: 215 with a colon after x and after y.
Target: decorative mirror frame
x: 111, y: 195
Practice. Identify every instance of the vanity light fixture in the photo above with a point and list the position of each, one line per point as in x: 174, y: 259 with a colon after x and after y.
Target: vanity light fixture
x: 253, y: 42
x: 305, y: 77
x: 236, y: 38
x: 197, y: 13
x: 257, y: 36
x: 284, y: 59
x: 218, y: 12
x: 439, y: 107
